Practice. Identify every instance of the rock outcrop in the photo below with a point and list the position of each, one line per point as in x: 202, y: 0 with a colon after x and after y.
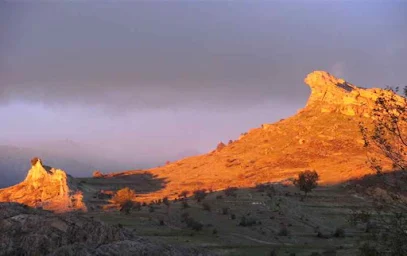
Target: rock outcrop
x: 331, y: 94
x: 45, y: 187
x: 26, y: 231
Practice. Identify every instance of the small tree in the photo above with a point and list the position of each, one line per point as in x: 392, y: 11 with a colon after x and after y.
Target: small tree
x: 123, y: 196
x: 389, y: 130
x: 307, y: 181
x: 184, y: 194
x: 126, y: 207
x: 199, y: 195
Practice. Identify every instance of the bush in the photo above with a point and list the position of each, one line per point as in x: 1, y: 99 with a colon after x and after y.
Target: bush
x: 191, y: 223
x: 200, y: 194
x: 231, y: 191
x: 225, y: 211
x: 184, y: 194
x: 166, y: 201
x: 206, y: 207
x: 283, y: 231
x: 123, y: 196
x: 126, y: 207
x: 261, y: 187
x: 247, y: 222
x: 233, y: 216
x: 368, y: 250
x: 339, y: 232
x: 219, y: 197
x: 185, y: 204
x: 184, y: 216
x: 307, y: 181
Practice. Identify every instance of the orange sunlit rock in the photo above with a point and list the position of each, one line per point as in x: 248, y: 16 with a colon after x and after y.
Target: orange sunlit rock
x: 45, y: 187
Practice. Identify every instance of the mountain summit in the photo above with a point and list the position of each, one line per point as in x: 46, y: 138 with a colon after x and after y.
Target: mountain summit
x: 330, y: 94
x: 45, y: 187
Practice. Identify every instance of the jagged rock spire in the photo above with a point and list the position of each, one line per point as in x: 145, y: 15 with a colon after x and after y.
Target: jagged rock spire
x: 331, y: 94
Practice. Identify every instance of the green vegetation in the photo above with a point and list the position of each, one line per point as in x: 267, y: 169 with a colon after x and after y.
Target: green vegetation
x: 307, y: 181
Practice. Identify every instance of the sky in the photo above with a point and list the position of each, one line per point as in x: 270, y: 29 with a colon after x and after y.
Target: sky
x: 151, y: 81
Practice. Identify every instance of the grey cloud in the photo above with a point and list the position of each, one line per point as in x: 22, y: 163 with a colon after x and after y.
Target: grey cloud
x: 179, y: 54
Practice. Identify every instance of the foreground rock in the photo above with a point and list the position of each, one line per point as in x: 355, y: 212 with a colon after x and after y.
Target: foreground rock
x: 27, y: 231
x: 45, y: 187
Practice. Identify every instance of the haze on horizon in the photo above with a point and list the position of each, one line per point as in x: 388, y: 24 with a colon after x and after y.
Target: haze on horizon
x: 143, y: 83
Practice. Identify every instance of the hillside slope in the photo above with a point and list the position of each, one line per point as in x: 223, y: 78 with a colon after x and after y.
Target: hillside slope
x: 324, y: 136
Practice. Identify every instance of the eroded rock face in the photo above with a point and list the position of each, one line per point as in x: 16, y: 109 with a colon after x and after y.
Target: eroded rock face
x: 331, y: 94
x: 27, y: 231
x: 46, y: 187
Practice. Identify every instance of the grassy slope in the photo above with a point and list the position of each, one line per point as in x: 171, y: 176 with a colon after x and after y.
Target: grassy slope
x: 327, y: 208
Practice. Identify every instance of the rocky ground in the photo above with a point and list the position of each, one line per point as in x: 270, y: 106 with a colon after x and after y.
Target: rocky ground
x: 27, y: 231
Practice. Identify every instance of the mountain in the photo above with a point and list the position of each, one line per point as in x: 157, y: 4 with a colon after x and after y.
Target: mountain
x: 323, y: 136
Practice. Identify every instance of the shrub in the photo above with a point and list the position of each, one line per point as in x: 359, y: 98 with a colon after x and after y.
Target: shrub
x: 200, y: 194
x: 166, y: 201
x: 126, y: 207
x: 247, y: 222
x: 307, y: 181
x: 184, y: 216
x: 214, y: 231
x: 339, y: 232
x: 206, y: 207
x: 233, y: 216
x: 225, y: 211
x: 185, y: 204
x: 261, y: 187
x: 283, y: 231
x: 123, y: 196
x: 193, y: 224
x: 368, y: 250
x: 151, y: 208
x: 219, y: 197
x: 231, y: 191
x: 184, y: 194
